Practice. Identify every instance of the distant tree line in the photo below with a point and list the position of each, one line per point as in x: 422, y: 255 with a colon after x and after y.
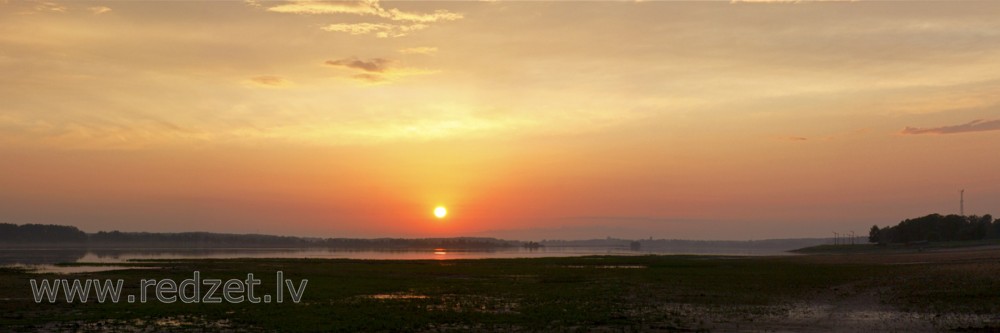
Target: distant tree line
x: 41, y: 233
x: 193, y: 239
x: 215, y: 240
x: 688, y: 245
x: 56, y: 235
x: 419, y: 243
x: 937, y: 227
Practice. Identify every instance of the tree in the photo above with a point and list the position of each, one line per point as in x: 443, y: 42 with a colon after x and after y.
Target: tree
x: 873, y: 234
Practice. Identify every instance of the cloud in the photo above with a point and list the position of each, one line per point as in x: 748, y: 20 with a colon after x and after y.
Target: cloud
x: 764, y: 1
x: 334, y: 7
x: 99, y: 10
x: 381, y: 30
x: 410, y: 21
x: 376, y: 70
x: 436, y: 16
x: 270, y: 81
x: 786, y: 1
x: 978, y: 125
x: 50, y: 7
x: 419, y: 50
x: 374, y: 65
x: 369, y: 77
x: 794, y: 138
x: 364, y: 8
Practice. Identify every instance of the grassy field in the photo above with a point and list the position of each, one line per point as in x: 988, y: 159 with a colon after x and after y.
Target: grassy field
x: 866, y: 248
x: 926, y: 291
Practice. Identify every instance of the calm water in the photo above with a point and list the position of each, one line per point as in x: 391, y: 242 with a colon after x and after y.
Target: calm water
x: 111, y: 256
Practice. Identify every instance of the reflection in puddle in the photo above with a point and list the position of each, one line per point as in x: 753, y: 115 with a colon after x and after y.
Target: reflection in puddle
x: 180, y: 323
x: 606, y: 266
x: 475, y: 303
x: 395, y: 296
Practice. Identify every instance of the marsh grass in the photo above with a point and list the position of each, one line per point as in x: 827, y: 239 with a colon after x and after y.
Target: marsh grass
x: 667, y: 293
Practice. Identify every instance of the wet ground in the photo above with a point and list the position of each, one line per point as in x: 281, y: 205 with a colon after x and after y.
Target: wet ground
x: 930, y: 291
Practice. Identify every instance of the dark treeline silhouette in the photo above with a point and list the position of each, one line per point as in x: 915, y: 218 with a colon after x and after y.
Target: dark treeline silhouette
x: 419, y: 243
x: 215, y: 240
x: 55, y: 235
x: 41, y: 234
x: 936, y: 228
x: 191, y: 239
x: 689, y: 246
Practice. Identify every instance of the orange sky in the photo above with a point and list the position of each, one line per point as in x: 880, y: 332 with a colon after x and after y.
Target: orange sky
x: 528, y: 120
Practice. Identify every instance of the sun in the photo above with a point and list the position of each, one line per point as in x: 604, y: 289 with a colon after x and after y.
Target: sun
x: 440, y: 212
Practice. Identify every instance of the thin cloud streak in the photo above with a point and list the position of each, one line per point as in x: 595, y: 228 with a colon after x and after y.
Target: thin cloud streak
x: 375, y: 65
x: 410, y: 21
x: 786, y: 1
x: 365, y: 7
x: 978, y: 125
x: 373, y: 78
x: 425, y: 50
x: 380, y: 30
x: 50, y: 7
x: 98, y: 10
x: 270, y: 81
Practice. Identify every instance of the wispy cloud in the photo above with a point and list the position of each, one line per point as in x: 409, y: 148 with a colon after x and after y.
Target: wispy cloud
x: 380, y: 30
x: 364, y: 7
x: 787, y: 1
x: 270, y: 81
x: 978, y: 125
x: 376, y: 65
x: 332, y: 7
x: 369, y: 77
x: 436, y: 16
x: 375, y: 70
x: 410, y: 21
x: 794, y: 138
x: 764, y: 1
x: 46, y: 6
x: 98, y: 10
x: 419, y: 50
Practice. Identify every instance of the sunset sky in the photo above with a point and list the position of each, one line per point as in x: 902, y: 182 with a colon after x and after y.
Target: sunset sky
x: 527, y: 120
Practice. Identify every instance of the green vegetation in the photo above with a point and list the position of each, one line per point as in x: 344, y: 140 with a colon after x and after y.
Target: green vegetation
x: 617, y: 293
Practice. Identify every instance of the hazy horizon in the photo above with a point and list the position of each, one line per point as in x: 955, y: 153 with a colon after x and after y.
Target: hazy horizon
x: 677, y: 120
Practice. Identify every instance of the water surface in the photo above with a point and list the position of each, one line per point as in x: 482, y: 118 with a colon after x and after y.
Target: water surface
x: 43, y: 256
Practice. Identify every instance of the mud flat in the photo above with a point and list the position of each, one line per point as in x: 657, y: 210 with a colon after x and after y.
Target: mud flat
x: 911, y: 291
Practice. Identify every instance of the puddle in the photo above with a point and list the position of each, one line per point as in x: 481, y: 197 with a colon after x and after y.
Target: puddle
x: 476, y: 303
x: 180, y: 323
x: 607, y: 266
x: 395, y: 296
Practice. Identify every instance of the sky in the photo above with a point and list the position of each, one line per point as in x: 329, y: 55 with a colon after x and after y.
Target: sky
x: 527, y: 120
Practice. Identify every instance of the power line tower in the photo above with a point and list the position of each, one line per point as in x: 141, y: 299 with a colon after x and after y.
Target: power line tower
x: 961, y: 202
